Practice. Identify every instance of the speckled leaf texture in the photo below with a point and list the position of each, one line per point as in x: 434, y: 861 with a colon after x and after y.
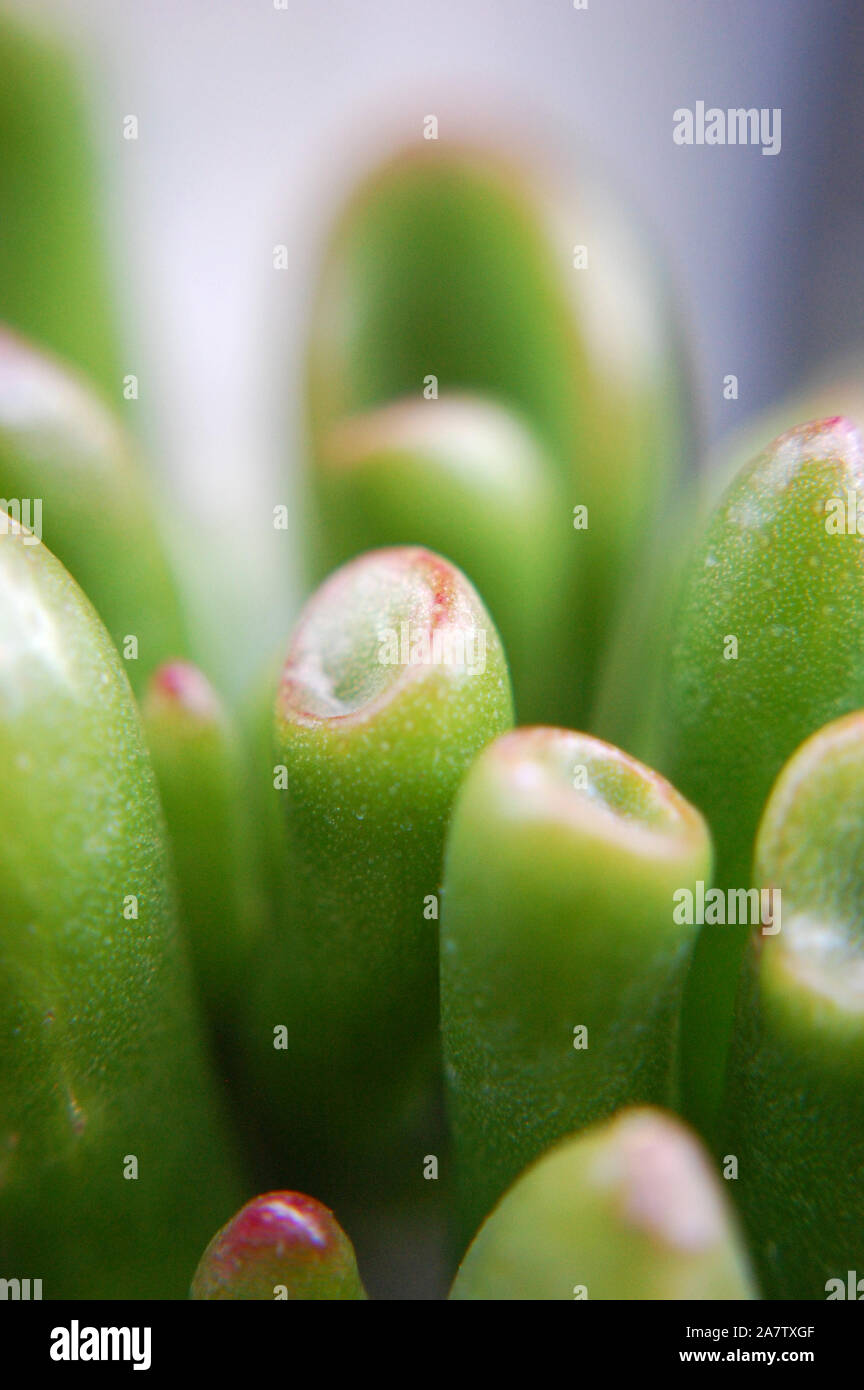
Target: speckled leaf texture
x: 102, y: 1072
x: 561, y: 964
x: 771, y: 573
x: 794, y: 1110
x: 372, y: 752
x: 631, y: 1209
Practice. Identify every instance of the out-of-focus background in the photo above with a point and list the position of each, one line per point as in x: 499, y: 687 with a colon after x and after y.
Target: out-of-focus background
x: 254, y: 117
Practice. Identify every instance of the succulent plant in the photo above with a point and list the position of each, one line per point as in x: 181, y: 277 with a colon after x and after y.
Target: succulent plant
x: 755, y: 668
x: 794, y: 1104
x: 561, y: 966
x: 371, y: 737
x: 55, y: 285
x: 114, y: 1156
x: 451, y: 272
x: 70, y: 468
x: 629, y: 1209
x: 359, y: 940
x: 284, y: 1246
x: 197, y: 757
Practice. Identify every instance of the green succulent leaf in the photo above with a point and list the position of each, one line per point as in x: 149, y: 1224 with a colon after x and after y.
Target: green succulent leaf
x: 199, y: 768
x: 54, y: 278
x: 283, y: 1246
x: 453, y: 269
x: 67, y: 469
x: 394, y: 681
x: 467, y: 478
x: 767, y: 646
x: 114, y: 1164
x: 794, y: 1109
x: 630, y: 1209
x: 562, y: 964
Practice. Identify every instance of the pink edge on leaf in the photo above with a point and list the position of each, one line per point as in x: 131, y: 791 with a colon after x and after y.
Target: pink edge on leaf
x: 332, y: 673
x: 835, y: 436
x: 182, y: 685
x: 280, y: 1218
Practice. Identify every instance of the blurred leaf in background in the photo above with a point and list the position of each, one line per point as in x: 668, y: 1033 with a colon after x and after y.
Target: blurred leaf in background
x: 54, y: 277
